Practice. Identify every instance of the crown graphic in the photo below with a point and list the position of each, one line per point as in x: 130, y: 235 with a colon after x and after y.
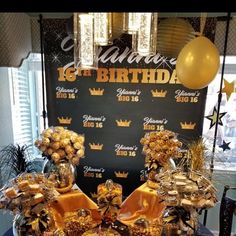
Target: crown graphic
x: 123, y: 123
x: 160, y: 94
x: 95, y: 146
x: 93, y: 195
x: 187, y: 125
x: 96, y: 92
x: 64, y: 121
x: 120, y: 174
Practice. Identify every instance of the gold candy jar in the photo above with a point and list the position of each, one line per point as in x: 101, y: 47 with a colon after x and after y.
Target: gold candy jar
x: 143, y: 227
x: 109, y: 199
x: 61, y: 174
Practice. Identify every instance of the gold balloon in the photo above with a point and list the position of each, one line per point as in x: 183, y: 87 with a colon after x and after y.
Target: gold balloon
x: 197, y: 63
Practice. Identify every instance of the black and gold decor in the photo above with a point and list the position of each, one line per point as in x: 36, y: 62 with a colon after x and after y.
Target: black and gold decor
x: 124, y: 147
x: 115, y: 105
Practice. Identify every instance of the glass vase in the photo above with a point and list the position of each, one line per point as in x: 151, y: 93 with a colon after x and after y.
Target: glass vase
x: 152, y: 178
x: 61, y: 174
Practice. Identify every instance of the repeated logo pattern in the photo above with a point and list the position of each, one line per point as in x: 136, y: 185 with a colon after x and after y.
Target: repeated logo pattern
x: 116, y: 105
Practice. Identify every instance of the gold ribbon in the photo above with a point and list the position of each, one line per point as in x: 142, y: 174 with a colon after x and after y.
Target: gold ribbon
x: 109, y: 204
x: 203, y: 18
x: 39, y: 219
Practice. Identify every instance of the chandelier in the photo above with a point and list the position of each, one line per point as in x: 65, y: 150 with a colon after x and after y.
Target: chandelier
x: 143, y: 27
x: 92, y: 30
x: 84, y: 43
x: 102, y: 28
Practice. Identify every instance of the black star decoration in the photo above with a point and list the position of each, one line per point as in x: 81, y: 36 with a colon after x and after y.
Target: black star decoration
x: 213, y: 118
x: 225, y: 146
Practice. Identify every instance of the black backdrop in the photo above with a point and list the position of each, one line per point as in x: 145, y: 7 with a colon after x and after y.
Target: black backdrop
x: 116, y: 105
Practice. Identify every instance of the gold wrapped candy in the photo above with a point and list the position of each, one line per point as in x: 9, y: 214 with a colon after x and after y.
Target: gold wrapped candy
x: 159, y: 147
x: 186, y: 189
x: 101, y: 232
x: 28, y: 196
x: 78, y: 222
x: 184, y: 194
x: 143, y: 227
x: 60, y: 144
x: 25, y: 191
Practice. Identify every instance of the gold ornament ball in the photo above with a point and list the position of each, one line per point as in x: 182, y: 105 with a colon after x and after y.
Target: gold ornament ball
x: 173, y: 34
x: 80, y: 153
x: 56, y: 157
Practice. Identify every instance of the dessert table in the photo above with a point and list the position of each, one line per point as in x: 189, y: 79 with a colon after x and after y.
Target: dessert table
x: 168, y: 203
x: 142, y: 202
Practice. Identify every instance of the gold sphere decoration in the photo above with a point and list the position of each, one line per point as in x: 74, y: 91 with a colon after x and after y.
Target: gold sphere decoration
x: 172, y: 35
x: 117, y: 25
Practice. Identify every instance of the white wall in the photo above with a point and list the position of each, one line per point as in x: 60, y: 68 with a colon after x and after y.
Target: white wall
x: 6, y: 133
x: 6, y: 130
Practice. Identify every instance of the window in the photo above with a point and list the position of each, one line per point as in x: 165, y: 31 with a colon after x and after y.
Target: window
x: 27, y: 105
x: 224, y: 159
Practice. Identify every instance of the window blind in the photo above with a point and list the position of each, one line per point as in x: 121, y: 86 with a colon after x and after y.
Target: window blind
x: 21, y: 109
